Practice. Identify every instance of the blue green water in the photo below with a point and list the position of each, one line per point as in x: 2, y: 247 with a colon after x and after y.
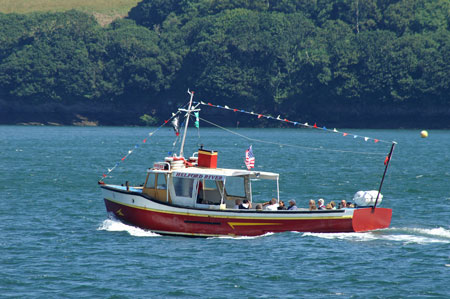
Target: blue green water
x: 56, y: 239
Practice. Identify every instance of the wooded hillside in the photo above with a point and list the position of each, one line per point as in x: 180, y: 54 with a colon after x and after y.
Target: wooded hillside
x: 371, y: 63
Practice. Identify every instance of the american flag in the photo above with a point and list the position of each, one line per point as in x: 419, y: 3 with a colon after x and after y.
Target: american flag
x: 249, y: 158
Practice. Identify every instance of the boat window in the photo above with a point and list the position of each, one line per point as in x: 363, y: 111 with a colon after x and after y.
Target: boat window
x: 183, y: 187
x: 209, y: 185
x: 162, y: 185
x: 235, y: 187
x: 150, y: 181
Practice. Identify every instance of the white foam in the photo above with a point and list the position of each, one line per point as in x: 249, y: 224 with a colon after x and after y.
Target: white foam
x: 114, y: 225
x: 358, y: 237
x: 438, y: 232
x: 404, y: 235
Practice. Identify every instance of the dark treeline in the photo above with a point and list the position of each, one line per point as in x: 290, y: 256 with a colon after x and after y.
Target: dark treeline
x: 359, y: 63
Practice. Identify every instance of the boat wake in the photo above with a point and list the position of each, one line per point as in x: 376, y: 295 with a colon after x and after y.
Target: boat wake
x: 404, y: 235
x: 114, y: 225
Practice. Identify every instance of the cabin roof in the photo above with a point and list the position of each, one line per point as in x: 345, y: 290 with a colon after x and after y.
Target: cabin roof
x: 221, y: 173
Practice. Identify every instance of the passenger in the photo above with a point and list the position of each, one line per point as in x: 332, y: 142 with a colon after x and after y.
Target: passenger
x: 312, y: 205
x: 329, y: 207
x: 237, y: 203
x: 321, y: 204
x: 259, y: 207
x: 271, y: 205
x: 333, y: 205
x: 281, y: 206
x: 350, y: 205
x: 343, y: 204
x: 292, y: 205
x: 246, y: 205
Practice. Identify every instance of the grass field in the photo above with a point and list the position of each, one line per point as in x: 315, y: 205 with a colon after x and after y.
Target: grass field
x: 103, y: 10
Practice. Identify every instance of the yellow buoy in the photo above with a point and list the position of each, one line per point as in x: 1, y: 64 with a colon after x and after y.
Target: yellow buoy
x: 424, y: 134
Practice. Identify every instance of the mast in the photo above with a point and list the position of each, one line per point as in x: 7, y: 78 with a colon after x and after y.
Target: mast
x: 188, y: 114
x: 388, y: 160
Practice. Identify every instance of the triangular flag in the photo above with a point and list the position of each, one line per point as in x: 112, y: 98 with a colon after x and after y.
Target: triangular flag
x: 315, y: 125
x: 376, y: 140
x: 234, y: 110
x: 344, y: 134
x: 145, y: 140
x: 260, y: 115
x: 226, y: 107
x: 306, y: 124
x: 335, y: 130
x: 366, y: 138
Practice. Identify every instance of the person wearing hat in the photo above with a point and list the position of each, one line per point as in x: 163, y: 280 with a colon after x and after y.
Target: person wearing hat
x: 292, y: 205
x: 321, y: 204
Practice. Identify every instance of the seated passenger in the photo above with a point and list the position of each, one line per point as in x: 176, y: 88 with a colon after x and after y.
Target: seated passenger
x: 245, y: 205
x: 312, y: 205
x: 329, y: 207
x: 333, y: 205
x: 343, y: 204
x: 271, y: 205
x: 292, y: 205
x: 237, y: 203
x: 321, y: 204
x: 259, y: 207
x: 281, y: 206
x: 350, y: 205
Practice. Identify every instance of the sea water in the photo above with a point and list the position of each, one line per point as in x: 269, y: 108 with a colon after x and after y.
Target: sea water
x: 56, y: 239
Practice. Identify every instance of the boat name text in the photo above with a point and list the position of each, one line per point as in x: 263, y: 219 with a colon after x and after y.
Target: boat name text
x: 199, y: 176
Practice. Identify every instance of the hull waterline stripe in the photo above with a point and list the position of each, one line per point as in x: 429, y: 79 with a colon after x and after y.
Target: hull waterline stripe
x: 230, y: 216
x: 233, y: 224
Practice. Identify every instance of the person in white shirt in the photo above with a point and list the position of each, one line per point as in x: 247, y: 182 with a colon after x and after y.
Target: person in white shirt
x: 272, y: 205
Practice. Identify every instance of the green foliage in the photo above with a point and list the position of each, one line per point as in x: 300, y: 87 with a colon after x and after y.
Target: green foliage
x: 291, y: 56
x: 149, y: 120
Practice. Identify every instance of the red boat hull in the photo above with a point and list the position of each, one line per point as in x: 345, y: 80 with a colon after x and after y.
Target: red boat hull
x: 191, y: 224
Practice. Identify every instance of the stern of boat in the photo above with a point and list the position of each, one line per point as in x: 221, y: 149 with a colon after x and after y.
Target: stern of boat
x: 367, y: 219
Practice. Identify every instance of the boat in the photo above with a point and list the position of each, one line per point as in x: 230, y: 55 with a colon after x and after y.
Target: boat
x: 191, y: 196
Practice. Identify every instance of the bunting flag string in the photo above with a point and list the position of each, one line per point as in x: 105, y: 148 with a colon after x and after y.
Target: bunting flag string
x: 290, y: 145
x: 295, y: 123
x: 104, y: 175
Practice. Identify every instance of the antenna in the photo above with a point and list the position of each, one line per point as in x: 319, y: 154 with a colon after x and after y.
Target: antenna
x: 188, y: 114
x: 388, y: 159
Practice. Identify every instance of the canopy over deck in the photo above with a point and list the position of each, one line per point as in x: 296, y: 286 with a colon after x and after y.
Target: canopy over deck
x: 219, y: 174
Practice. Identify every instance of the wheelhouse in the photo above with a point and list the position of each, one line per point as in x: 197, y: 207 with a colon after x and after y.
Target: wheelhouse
x: 204, y: 188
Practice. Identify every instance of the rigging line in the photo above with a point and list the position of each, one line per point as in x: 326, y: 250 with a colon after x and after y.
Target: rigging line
x: 136, y: 146
x: 289, y: 145
x: 295, y: 123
